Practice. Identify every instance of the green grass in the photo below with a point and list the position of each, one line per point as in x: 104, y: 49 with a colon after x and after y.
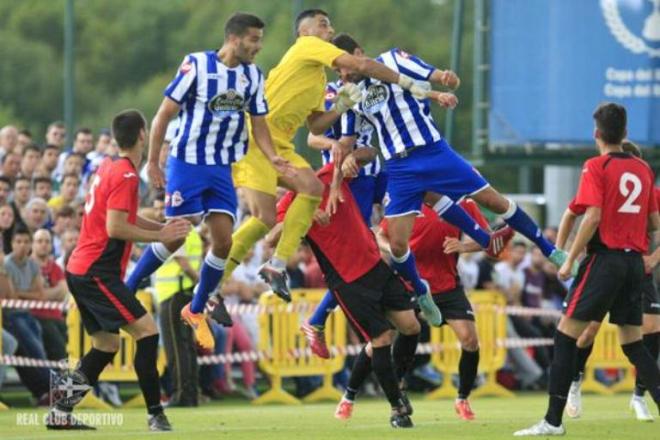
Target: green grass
x: 604, y: 418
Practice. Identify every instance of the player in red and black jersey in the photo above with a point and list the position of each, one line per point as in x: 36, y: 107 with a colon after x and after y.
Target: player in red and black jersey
x: 370, y: 294
x: 650, y: 317
x: 617, y: 190
x: 96, y: 268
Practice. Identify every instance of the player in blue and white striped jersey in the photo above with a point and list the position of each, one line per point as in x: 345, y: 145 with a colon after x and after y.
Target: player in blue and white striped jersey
x: 212, y: 93
x: 422, y: 166
x: 368, y: 187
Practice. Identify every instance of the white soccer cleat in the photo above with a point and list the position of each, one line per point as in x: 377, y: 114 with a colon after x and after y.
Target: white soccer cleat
x: 638, y: 406
x: 574, y: 401
x: 541, y: 428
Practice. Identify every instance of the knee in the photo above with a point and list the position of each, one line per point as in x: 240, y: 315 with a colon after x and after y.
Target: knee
x: 398, y: 246
x: 382, y: 340
x: 109, y: 345
x: 410, y: 327
x: 173, y: 246
x: 470, y: 342
x: 266, y: 216
x: 313, y: 187
x: 495, y: 201
x: 220, y: 248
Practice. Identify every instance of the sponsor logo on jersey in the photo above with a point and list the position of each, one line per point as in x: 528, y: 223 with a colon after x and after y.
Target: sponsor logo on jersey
x: 226, y: 103
x: 375, y: 99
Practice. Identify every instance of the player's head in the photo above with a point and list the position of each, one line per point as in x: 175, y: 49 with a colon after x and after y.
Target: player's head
x: 314, y: 22
x: 244, y: 33
x: 129, y: 128
x: 631, y: 148
x: 611, y: 120
x: 348, y: 44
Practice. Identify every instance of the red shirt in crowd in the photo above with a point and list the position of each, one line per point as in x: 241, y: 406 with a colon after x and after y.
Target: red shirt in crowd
x: 621, y: 185
x: 52, y: 275
x: 345, y: 248
x: 427, y: 245
x: 115, y: 186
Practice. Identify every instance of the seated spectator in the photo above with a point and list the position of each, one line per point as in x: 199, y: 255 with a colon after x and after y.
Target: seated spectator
x: 6, y: 227
x: 468, y: 270
x: 11, y: 166
x: 56, y: 134
x: 46, y: 167
x: 8, y: 139
x: 52, y: 320
x: 36, y: 214
x: 24, y: 274
x: 68, y: 192
x: 64, y: 219
x: 69, y: 238
x: 9, y: 343
x: 21, y: 196
x: 30, y: 160
x: 5, y: 190
x: 24, y: 139
x: 42, y: 187
x: 83, y: 143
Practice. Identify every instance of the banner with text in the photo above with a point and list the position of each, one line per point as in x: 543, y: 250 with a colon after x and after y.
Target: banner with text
x: 553, y: 62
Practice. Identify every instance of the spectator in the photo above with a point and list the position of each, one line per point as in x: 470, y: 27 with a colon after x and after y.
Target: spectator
x: 102, y: 150
x: 69, y: 240
x: 56, y: 135
x: 83, y: 142
x: 5, y: 190
x: 30, y: 160
x: 49, y: 161
x: 64, y: 220
x: 42, y: 187
x: 532, y: 293
x: 8, y: 139
x: 68, y: 192
x: 21, y: 197
x: 11, y: 165
x: 24, y: 139
x: 27, y: 283
x: 51, y: 320
x: 468, y: 270
x: 9, y: 343
x: 6, y: 227
x: 36, y: 214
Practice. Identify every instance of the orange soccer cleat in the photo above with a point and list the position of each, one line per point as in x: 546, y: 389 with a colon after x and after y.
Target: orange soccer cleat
x: 344, y: 410
x: 463, y: 409
x: 316, y: 339
x: 200, y: 326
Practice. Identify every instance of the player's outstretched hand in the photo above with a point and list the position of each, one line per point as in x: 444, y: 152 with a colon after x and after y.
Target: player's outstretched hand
x: 447, y: 100
x: 565, y: 270
x: 347, y: 96
x: 453, y: 245
x: 175, y: 229
x: 283, y: 166
x: 321, y: 217
x: 450, y: 79
x: 335, y: 197
x: 350, y: 167
x: 337, y: 152
x: 156, y: 175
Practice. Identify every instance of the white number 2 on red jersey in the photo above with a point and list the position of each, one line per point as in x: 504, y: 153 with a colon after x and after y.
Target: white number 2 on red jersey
x: 92, y: 193
x: 631, y: 195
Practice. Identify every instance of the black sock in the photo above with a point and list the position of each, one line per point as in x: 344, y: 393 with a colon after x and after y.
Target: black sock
x: 404, y: 354
x: 361, y: 369
x: 652, y: 344
x: 561, y: 374
x: 582, y: 356
x: 647, y: 367
x: 467, y: 372
x: 381, y: 362
x: 91, y: 365
x: 145, y: 367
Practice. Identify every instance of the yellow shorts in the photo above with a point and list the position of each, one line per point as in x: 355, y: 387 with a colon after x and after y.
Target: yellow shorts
x: 254, y: 171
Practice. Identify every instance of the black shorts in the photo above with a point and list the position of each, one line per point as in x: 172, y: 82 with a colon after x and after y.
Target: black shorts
x: 608, y: 281
x: 453, y: 304
x: 650, y: 297
x: 365, y: 300
x: 104, y: 301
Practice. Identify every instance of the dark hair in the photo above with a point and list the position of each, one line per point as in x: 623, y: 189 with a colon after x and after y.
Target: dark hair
x: 21, y: 229
x: 83, y: 130
x: 632, y: 148
x: 19, y: 178
x: 25, y: 132
x: 31, y: 147
x: 51, y: 147
x: 56, y: 124
x: 345, y: 42
x: 611, y: 120
x: 41, y: 179
x: 126, y: 127
x: 65, y: 211
x: 240, y: 22
x: 71, y: 175
x: 78, y: 155
x: 6, y: 180
x: 308, y: 13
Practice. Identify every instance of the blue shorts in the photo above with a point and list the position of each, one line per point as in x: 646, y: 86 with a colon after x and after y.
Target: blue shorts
x: 199, y: 189
x: 363, y: 188
x: 435, y: 167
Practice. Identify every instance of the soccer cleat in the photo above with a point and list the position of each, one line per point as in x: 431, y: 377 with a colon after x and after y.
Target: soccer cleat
x: 498, y: 241
x: 277, y: 279
x: 405, y: 401
x: 542, y: 428
x: 344, y: 409
x: 316, y: 339
x: 574, y: 400
x: 60, y: 420
x: 462, y: 407
x: 400, y: 418
x: 159, y: 422
x: 201, y: 329
x: 216, y: 309
x: 559, y: 256
x: 429, y: 308
x: 638, y: 406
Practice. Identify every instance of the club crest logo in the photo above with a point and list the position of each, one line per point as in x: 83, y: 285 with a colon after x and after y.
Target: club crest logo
x: 226, y: 103
x: 639, y: 37
x: 375, y: 99
x: 174, y: 200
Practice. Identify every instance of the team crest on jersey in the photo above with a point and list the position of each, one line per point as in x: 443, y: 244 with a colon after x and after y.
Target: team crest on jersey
x: 377, y: 95
x: 330, y: 95
x: 226, y: 103
x: 404, y: 54
x: 386, y: 199
x: 174, y: 200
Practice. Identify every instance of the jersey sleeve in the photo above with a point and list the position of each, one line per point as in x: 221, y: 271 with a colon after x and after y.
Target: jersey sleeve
x: 56, y: 274
x: 123, y: 193
x: 575, y: 208
x: 412, y: 66
x: 181, y: 86
x: 316, y: 50
x: 258, y: 105
x: 348, y: 123
x: 590, y: 191
x: 283, y: 205
x: 473, y: 210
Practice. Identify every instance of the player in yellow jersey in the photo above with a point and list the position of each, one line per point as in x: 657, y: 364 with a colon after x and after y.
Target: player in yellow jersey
x: 295, y: 93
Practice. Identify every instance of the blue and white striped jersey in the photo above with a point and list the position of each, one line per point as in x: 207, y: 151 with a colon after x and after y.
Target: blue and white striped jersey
x: 401, y: 121
x: 350, y: 124
x: 214, y: 99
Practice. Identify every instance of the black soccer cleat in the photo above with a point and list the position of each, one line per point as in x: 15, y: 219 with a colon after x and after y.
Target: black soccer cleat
x: 58, y: 420
x: 405, y: 401
x: 159, y: 422
x: 401, y: 421
x: 277, y: 280
x: 216, y: 309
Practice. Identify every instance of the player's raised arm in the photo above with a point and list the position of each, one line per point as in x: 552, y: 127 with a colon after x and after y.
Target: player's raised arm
x: 167, y: 110
x: 261, y: 134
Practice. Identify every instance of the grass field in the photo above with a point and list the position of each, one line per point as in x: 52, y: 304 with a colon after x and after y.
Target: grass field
x: 604, y: 418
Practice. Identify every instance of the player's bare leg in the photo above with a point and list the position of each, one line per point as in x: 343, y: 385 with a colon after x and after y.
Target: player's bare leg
x: 585, y: 345
x: 403, y: 261
x: 651, y: 340
x: 466, y: 332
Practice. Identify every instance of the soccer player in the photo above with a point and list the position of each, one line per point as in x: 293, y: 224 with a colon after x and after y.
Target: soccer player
x: 96, y: 268
x: 211, y: 93
x: 617, y: 191
x: 420, y: 163
x: 295, y: 92
x: 650, y: 317
x: 370, y: 294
